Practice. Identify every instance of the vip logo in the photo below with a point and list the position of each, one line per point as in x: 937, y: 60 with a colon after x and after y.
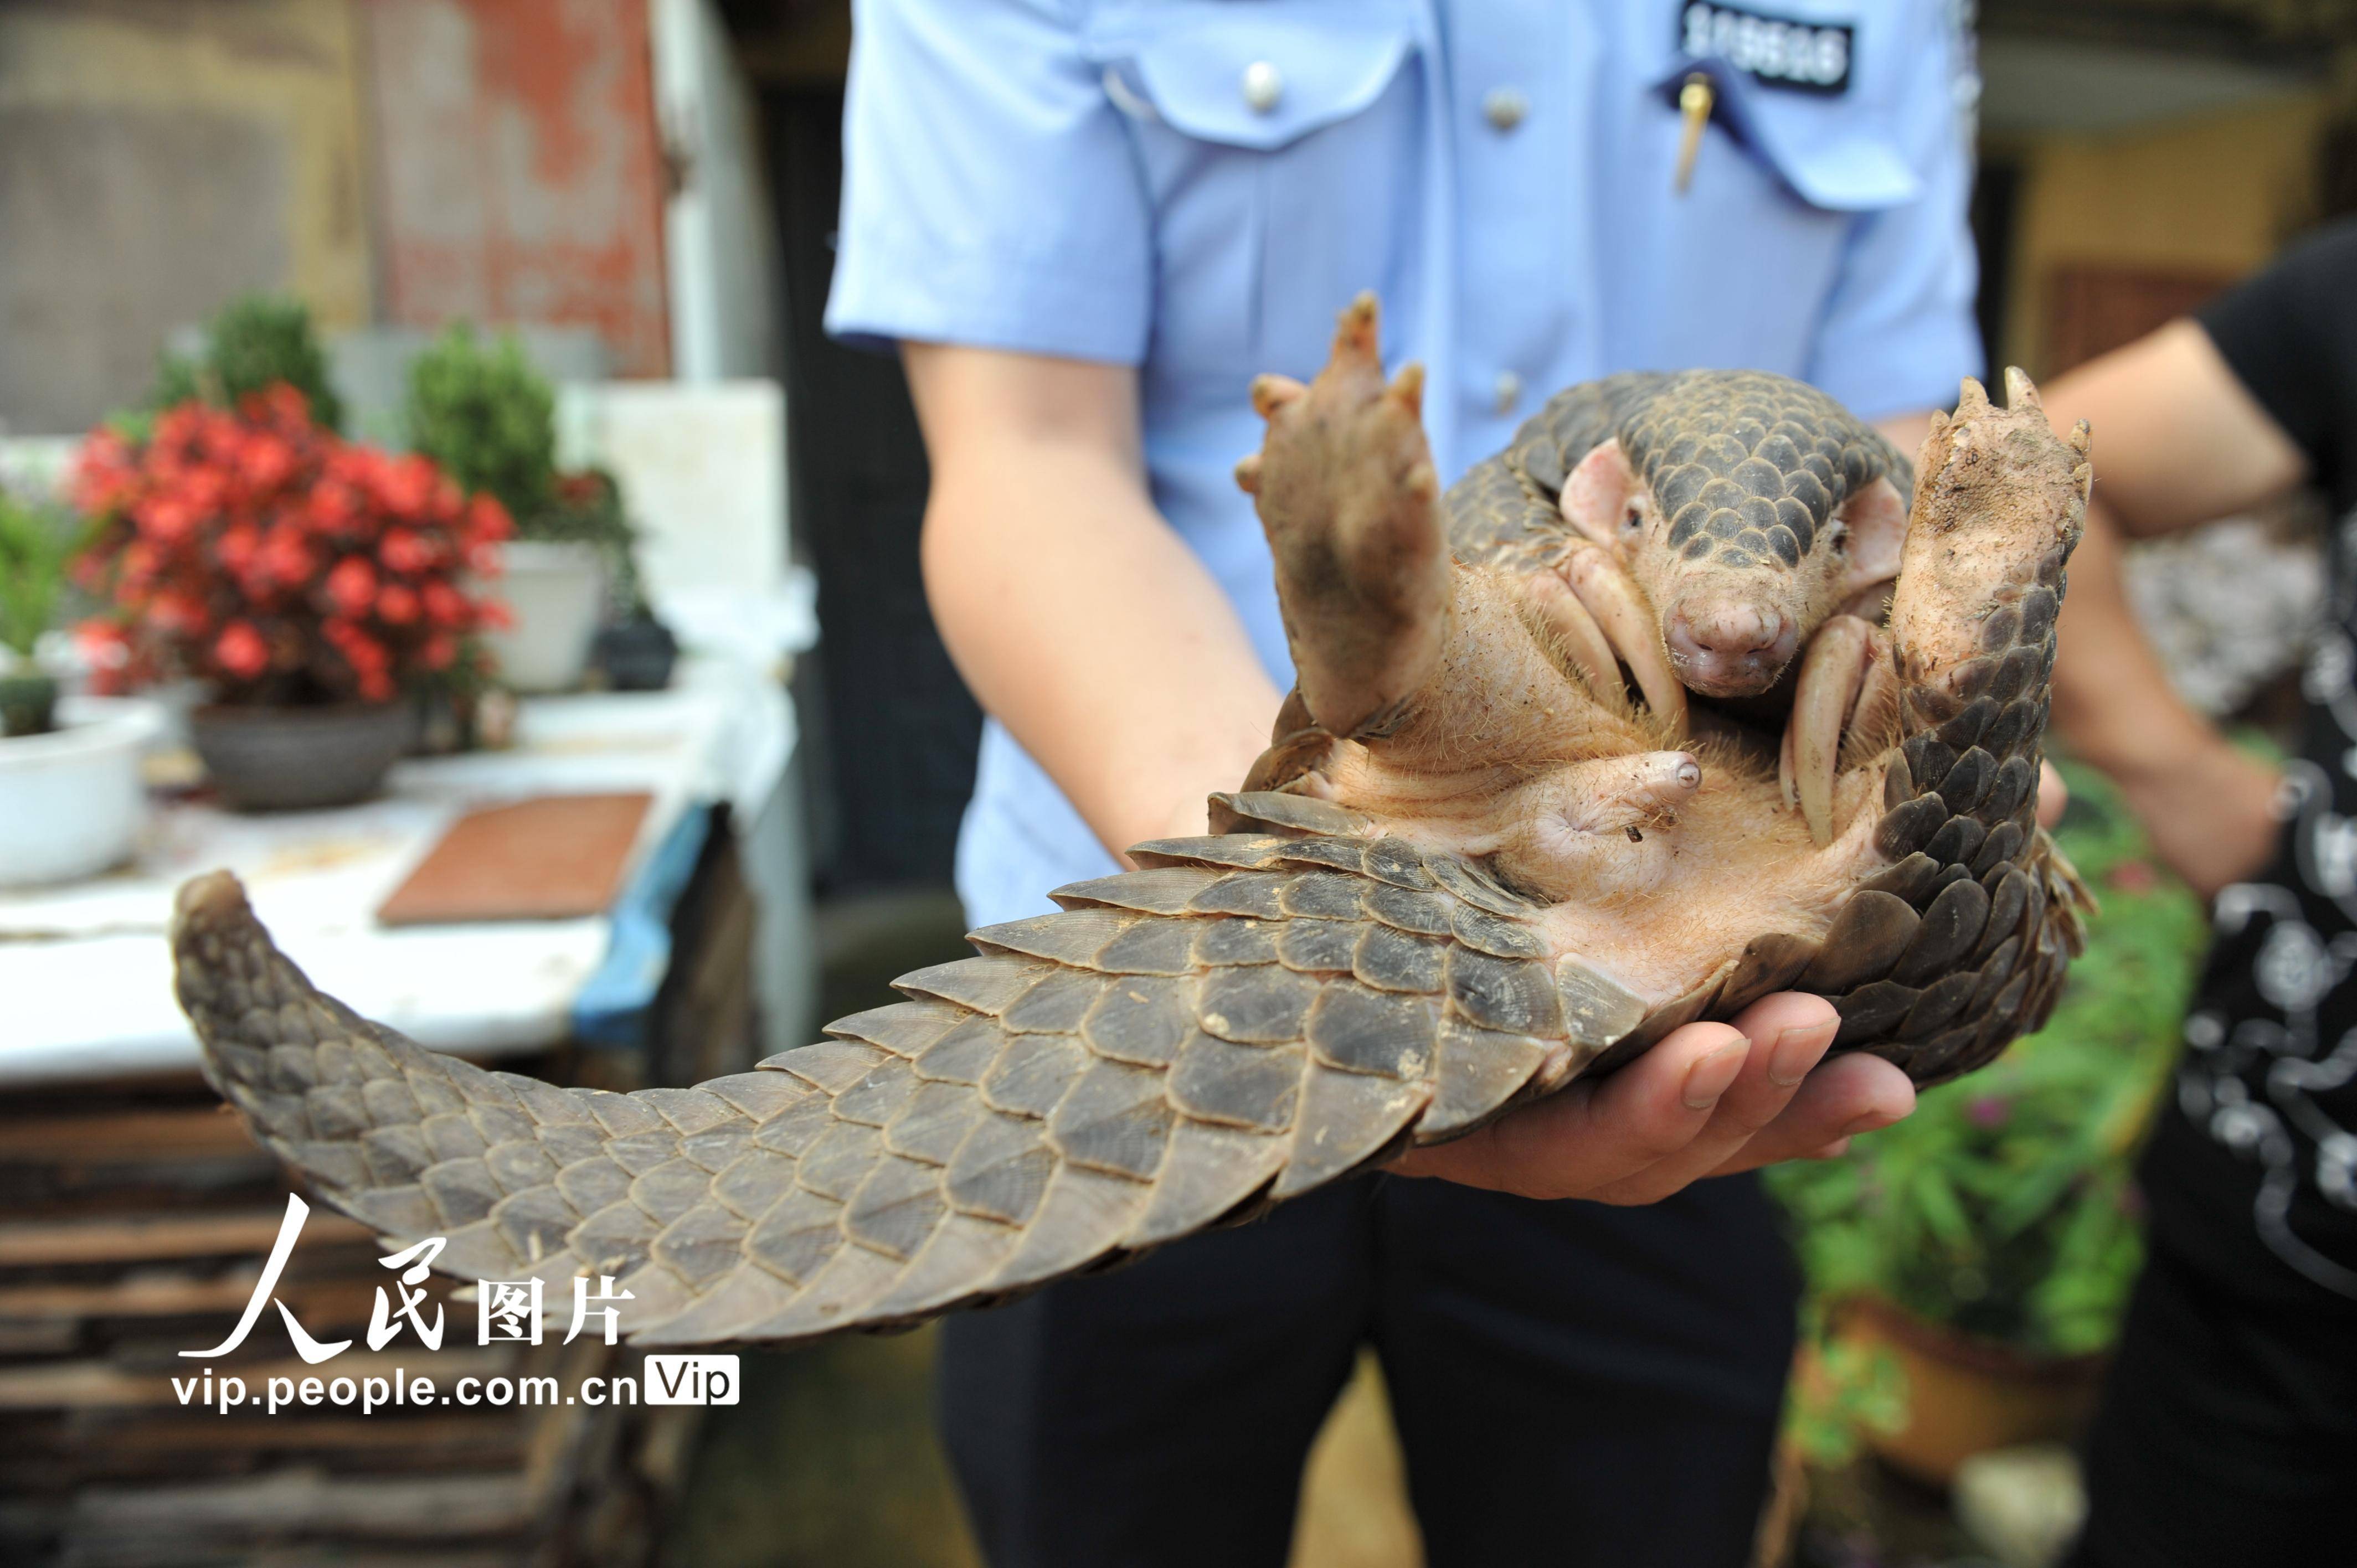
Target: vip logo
x: 691, y: 1379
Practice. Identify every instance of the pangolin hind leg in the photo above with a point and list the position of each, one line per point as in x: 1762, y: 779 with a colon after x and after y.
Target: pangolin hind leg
x: 1959, y: 946
x: 1348, y: 496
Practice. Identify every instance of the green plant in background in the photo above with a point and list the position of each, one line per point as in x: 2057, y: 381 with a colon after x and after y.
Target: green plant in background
x: 37, y: 545
x: 2002, y: 1207
x: 1846, y: 1389
x: 256, y: 341
x: 488, y: 419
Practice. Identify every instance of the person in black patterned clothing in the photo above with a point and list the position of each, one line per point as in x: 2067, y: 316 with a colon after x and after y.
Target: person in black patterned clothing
x: 2227, y: 1433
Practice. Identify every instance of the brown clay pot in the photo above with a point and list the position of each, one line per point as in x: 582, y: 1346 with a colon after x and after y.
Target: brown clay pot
x: 287, y: 759
x: 1968, y: 1395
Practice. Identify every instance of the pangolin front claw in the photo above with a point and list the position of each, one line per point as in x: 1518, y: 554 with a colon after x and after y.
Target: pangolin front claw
x: 1619, y: 609
x: 1408, y: 387
x: 1582, y: 640
x: 1272, y: 391
x: 1832, y: 673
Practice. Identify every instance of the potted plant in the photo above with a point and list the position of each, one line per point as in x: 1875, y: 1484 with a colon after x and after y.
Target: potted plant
x: 34, y: 550
x: 71, y: 800
x: 635, y: 652
x: 303, y: 578
x: 1974, y: 1259
x: 256, y: 342
x: 488, y: 419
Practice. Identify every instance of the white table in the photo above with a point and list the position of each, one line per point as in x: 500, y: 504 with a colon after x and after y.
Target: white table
x: 85, y: 974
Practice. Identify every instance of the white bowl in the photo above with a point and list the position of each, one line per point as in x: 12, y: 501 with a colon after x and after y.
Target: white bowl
x: 71, y: 801
x: 556, y: 592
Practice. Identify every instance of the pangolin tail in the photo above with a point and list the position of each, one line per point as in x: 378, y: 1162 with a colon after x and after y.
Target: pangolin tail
x: 1262, y: 1013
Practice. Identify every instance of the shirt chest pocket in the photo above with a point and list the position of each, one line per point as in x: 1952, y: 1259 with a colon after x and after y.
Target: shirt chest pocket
x: 1282, y: 149
x: 1734, y: 267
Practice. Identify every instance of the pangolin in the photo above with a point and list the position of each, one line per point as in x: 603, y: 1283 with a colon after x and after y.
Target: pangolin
x: 1493, y: 871
x: 1701, y: 528
x: 1745, y: 509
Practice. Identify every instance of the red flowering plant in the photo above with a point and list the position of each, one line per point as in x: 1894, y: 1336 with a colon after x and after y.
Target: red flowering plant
x: 259, y: 552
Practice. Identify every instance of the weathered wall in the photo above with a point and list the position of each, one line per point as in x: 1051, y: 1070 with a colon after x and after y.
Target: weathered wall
x: 2210, y: 194
x: 720, y: 230
x: 519, y: 167
x: 158, y: 157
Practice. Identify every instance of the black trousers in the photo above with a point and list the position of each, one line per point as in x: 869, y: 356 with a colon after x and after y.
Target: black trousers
x: 2227, y: 1436
x: 1573, y: 1383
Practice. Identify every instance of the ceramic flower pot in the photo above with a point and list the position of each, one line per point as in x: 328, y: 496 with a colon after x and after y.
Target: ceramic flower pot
x: 286, y: 759
x: 555, y: 594
x: 1967, y: 1395
x: 70, y: 800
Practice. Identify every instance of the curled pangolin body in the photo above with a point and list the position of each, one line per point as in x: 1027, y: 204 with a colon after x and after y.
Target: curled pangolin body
x: 1251, y: 1014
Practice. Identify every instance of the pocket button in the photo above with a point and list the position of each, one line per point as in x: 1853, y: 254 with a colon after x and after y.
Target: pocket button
x: 1264, y: 87
x: 1504, y: 107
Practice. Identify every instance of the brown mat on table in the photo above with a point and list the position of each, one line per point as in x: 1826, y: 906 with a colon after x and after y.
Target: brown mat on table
x: 550, y: 858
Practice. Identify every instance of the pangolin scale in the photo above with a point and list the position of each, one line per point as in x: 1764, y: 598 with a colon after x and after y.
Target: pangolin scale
x: 1252, y: 1014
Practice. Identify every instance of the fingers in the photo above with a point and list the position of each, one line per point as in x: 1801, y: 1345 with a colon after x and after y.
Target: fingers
x: 1594, y: 1134
x: 1784, y: 1038
x: 1693, y: 1105
x: 1851, y: 1094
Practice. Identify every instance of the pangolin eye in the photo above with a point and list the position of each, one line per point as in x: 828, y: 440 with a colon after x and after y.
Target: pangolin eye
x: 1634, y: 521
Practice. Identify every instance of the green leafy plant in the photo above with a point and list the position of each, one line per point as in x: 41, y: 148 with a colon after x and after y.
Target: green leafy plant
x: 257, y: 342
x: 37, y: 545
x: 489, y: 420
x: 2003, y: 1207
x: 1844, y: 1390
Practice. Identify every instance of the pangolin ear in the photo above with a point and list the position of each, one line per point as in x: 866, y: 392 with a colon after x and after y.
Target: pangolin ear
x: 1595, y: 498
x: 1877, y: 518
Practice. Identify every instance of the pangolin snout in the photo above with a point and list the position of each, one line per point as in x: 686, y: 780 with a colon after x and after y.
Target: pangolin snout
x: 1728, y: 649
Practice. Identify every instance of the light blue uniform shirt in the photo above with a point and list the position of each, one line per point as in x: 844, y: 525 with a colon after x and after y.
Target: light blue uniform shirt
x: 1195, y: 186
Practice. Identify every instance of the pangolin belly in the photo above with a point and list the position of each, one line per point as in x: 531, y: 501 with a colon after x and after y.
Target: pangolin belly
x: 1467, y: 871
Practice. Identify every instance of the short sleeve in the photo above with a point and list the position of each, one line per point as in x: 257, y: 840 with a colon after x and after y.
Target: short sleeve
x: 1899, y: 332
x: 2290, y: 337
x: 991, y: 195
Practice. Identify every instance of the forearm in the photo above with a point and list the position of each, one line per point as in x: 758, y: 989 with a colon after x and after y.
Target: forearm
x: 2209, y: 809
x: 1084, y: 625
x: 2113, y: 701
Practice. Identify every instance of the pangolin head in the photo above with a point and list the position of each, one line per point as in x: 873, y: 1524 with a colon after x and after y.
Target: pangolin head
x: 1750, y: 508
